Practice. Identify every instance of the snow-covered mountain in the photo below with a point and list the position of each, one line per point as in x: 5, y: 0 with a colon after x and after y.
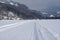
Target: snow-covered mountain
x: 11, y: 10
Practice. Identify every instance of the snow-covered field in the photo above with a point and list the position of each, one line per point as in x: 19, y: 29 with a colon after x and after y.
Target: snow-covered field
x: 30, y: 30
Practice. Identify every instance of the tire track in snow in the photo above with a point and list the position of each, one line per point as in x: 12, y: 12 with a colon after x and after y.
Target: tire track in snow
x: 41, y: 35
x: 48, y: 32
x: 35, y: 32
x: 5, y: 27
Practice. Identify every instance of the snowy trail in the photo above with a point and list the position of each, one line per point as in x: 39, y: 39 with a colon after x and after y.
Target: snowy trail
x: 29, y: 30
x: 36, y: 33
x: 9, y: 26
x: 19, y: 32
x: 42, y: 33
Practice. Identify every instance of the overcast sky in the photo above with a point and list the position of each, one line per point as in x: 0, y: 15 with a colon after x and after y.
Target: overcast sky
x: 34, y: 4
x: 39, y: 4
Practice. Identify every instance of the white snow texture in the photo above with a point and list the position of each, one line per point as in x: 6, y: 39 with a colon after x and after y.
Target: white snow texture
x: 30, y: 30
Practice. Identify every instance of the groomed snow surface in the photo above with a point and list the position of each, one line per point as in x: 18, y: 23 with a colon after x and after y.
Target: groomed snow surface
x: 30, y: 30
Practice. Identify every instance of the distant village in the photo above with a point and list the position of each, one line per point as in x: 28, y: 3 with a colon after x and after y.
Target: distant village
x: 16, y: 11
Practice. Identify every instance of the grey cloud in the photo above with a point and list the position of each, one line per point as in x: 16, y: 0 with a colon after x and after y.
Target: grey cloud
x: 39, y: 4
